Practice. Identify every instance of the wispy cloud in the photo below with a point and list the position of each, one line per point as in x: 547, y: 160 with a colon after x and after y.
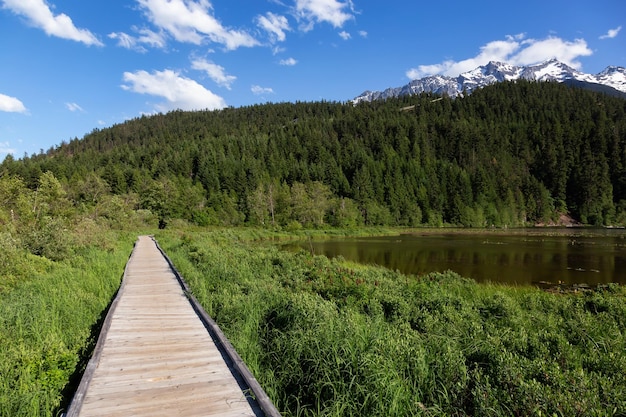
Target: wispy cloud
x: 144, y: 37
x: 362, y: 33
x: 611, y: 33
x: 290, y: 62
x: 74, y: 107
x: 193, y: 22
x: 516, y: 50
x: 11, y: 104
x: 38, y: 13
x: 277, y: 50
x: 214, y: 71
x: 126, y: 41
x: 275, y: 25
x: 344, y: 35
x: 317, y: 11
x: 258, y: 90
x: 179, y: 92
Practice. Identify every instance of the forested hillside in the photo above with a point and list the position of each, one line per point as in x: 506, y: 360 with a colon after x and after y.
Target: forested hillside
x: 510, y: 154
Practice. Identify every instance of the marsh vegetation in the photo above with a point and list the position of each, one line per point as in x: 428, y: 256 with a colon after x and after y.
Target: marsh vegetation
x: 330, y: 337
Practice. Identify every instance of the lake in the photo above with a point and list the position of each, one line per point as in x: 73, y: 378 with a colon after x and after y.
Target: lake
x: 519, y: 257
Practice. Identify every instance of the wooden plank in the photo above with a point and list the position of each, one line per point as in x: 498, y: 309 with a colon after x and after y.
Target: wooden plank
x: 155, y: 356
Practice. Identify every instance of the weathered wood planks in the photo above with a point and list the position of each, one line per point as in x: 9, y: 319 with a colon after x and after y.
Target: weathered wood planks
x: 155, y: 357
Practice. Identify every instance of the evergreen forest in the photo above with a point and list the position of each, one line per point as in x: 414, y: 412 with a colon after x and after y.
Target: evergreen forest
x: 512, y: 154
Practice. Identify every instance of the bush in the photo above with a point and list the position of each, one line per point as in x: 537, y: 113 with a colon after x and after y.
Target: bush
x: 49, y: 237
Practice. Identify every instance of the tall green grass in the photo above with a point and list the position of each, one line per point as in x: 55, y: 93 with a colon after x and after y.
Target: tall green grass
x: 47, y: 313
x: 326, y: 337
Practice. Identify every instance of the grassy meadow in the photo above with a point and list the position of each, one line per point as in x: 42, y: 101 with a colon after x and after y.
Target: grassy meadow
x: 327, y: 337
x: 49, y: 314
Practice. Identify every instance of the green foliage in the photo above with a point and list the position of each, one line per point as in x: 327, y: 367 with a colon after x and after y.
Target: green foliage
x: 16, y: 263
x: 325, y: 337
x: 345, y: 214
x: 59, y: 267
x: 49, y: 237
x: 511, y: 154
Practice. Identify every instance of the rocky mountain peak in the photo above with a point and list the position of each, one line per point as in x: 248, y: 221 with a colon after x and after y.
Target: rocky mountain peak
x: 493, y: 72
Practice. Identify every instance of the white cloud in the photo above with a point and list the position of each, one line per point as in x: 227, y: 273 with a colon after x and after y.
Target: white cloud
x: 275, y: 25
x: 542, y: 50
x: 362, y: 33
x: 5, y: 148
x: 329, y: 11
x: 11, y: 104
x: 216, y: 72
x: 611, y: 33
x: 146, y: 37
x: 192, y: 21
x: 290, y: 62
x: 515, y: 50
x: 258, y: 90
x: 344, y: 35
x: 39, y: 15
x: 74, y: 107
x: 180, y: 92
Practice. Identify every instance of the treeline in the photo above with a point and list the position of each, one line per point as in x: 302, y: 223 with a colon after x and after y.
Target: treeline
x: 511, y: 154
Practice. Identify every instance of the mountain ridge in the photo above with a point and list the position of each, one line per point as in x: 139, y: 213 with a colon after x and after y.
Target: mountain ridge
x: 611, y: 80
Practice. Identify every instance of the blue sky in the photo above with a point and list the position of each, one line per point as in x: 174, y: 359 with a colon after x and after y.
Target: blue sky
x: 68, y: 67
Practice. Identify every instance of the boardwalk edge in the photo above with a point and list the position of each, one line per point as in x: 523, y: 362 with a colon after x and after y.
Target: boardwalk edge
x: 259, y: 395
x: 77, y: 400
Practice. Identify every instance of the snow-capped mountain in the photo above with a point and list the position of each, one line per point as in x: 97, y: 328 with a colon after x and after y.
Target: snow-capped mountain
x: 614, y: 77
x: 552, y: 70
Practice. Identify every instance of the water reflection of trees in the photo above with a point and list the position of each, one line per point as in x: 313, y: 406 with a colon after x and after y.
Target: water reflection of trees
x: 515, y: 262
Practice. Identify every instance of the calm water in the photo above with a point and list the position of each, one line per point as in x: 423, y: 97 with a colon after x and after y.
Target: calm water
x: 522, y: 257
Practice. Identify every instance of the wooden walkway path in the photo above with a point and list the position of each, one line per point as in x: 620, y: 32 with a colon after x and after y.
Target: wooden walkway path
x: 156, y: 355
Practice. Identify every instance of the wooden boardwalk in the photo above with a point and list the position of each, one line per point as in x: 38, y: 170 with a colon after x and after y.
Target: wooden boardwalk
x: 155, y: 355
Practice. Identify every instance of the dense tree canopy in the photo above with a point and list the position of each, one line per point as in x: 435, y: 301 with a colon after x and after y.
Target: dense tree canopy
x: 514, y: 153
